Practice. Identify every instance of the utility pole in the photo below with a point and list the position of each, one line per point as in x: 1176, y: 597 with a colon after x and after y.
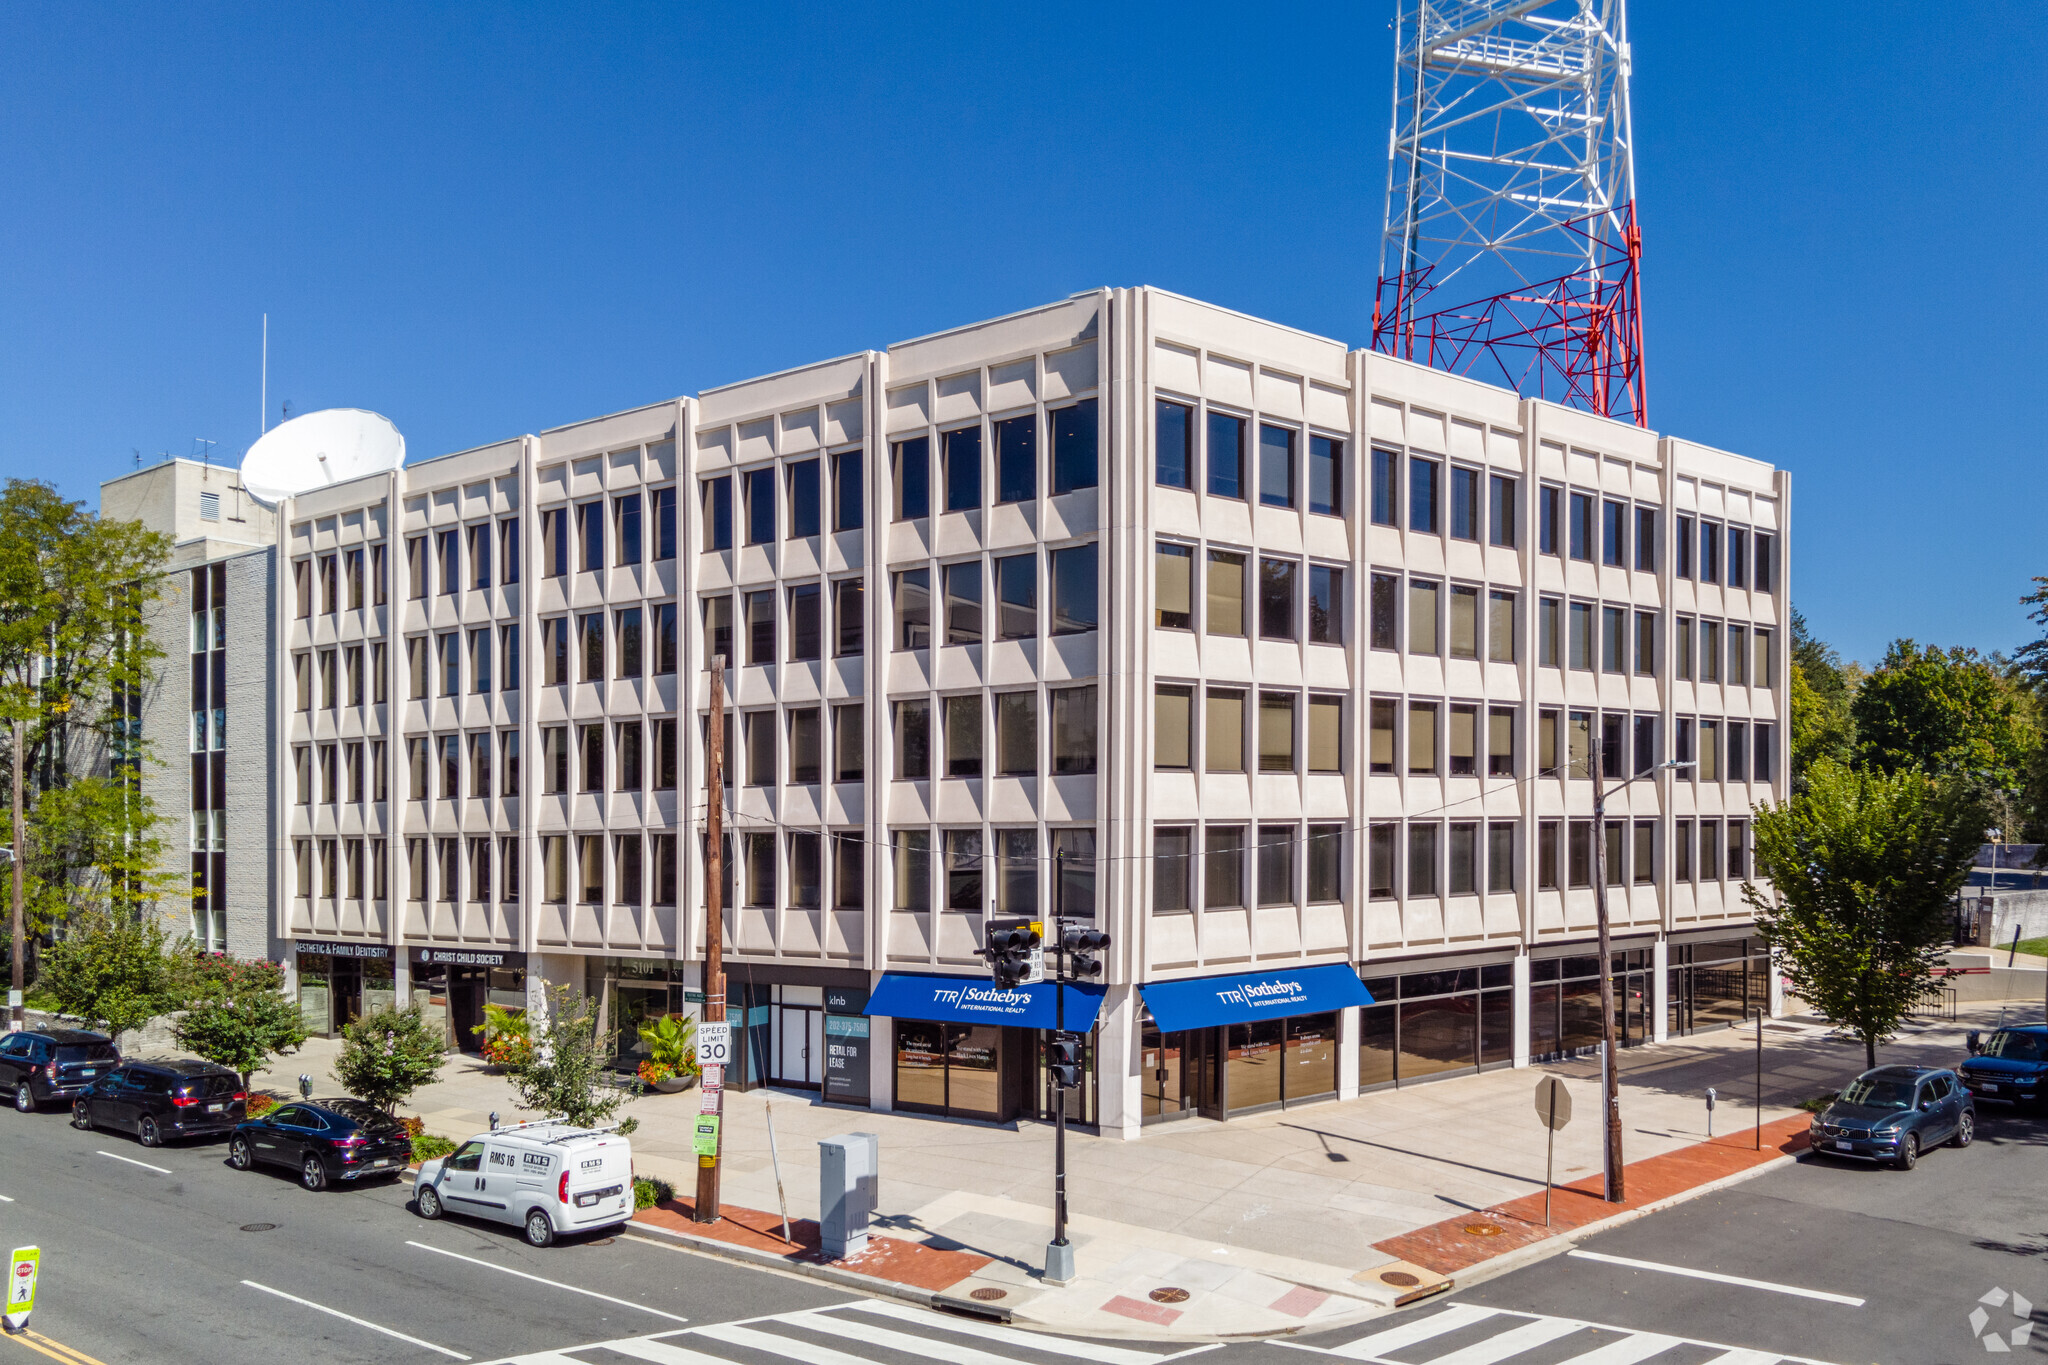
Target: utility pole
x: 706, y: 1209
x: 1612, y: 1087
x: 1059, y: 1256
x: 15, y: 1007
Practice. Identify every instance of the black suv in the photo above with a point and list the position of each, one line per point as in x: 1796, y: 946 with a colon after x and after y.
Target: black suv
x: 158, y: 1100
x: 324, y: 1141
x: 43, y: 1064
x: 2010, y: 1067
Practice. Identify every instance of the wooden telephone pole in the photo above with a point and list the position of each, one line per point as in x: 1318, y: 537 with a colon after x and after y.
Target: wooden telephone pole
x: 706, y: 1209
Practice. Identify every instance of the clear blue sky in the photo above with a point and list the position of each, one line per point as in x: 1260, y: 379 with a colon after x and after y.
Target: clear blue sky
x: 490, y: 219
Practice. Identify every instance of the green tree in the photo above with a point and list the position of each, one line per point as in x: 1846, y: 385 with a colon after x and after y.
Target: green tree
x: 568, y: 1072
x: 1946, y: 712
x: 1822, y: 687
x: 387, y: 1055
x: 109, y: 969
x: 76, y: 596
x: 237, y: 1014
x: 1862, y: 865
x: 2031, y: 661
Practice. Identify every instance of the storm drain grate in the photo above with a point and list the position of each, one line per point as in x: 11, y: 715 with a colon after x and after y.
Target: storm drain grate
x: 259, y: 1227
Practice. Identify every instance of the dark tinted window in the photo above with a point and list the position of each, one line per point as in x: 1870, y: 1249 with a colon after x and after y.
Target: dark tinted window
x: 367, y: 1116
x: 87, y: 1052
x: 208, y: 1087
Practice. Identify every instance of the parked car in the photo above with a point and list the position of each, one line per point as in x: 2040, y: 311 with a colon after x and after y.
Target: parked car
x: 2010, y: 1067
x: 324, y: 1141
x: 546, y: 1178
x: 156, y: 1101
x: 1894, y: 1113
x: 43, y: 1064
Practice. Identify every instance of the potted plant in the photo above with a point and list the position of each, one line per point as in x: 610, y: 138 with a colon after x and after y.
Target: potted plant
x: 507, y: 1035
x: 671, y: 1063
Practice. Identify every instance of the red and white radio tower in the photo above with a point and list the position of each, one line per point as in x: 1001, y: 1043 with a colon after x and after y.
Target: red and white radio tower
x: 1511, y: 190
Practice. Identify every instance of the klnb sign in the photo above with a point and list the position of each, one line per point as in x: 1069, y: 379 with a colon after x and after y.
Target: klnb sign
x: 985, y: 1000
x: 1282, y: 995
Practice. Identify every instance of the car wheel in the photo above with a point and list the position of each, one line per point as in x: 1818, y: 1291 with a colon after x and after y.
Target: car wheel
x: 540, y: 1231
x: 240, y: 1155
x: 81, y: 1116
x: 313, y: 1175
x: 148, y: 1134
x: 1966, y: 1129
x: 429, y: 1202
x: 24, y: 1099
x: 1909, y: 1152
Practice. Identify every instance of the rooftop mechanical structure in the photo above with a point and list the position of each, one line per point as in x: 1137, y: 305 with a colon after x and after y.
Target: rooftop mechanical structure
x: 1511, y: 251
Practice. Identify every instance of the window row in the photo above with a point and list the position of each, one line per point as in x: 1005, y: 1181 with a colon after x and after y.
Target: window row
x: 1445, y: 738
x: 1474, y: 506
x: 995, y: 735
x: 801, y: 500
x: 1294, y: 601
x: 1459, y: 857
x: 1288, y: 727
x: 350, y: 676
x: 1007, y: 871
x: 352, y: 771
x: 331, y: 572
x: 1013, y: 463
x: 1073, y: 580
x: 641, y: 527
x: 1221, y: 462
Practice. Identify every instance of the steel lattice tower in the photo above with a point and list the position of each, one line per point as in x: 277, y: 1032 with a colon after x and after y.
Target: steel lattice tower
x: 1511, y: 251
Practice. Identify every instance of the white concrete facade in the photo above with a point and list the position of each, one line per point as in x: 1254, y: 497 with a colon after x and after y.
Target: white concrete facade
x: 1045, y: 726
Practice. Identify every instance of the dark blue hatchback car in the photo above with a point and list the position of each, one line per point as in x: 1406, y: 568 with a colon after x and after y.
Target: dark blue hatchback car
x: 1895, y: 1113
x: 2009, y: 1067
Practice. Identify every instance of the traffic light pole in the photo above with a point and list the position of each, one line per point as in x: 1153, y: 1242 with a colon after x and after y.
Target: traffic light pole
x: 1059, y: 1254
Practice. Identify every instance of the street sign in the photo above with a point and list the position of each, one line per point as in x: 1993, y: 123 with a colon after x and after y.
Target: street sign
x: 710, y: 1090
x: 714, y: 1043
x: 1553, y: 1103
x: 704, y: 1135
x: 21, y: 1285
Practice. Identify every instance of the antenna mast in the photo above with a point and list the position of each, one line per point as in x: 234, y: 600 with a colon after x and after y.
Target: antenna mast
x: 1511, y: 186
x: 263, y: 391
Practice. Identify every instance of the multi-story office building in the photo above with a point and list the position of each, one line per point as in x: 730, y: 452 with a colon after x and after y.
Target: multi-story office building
x: 1292, y: 657
x: 208, y: 717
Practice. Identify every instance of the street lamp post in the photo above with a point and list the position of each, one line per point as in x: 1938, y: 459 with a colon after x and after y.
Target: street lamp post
x: 1611, y: 1078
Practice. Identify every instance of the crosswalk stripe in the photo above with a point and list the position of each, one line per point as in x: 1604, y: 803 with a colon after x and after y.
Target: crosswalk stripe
x: 654, y: 1352
x: 1634, y: 1347
x: 1409, y: 1333
x: 1512, y: 1342
x: 788, y: 1348
x: 1741, y: 1356
x: 908, y: 1344
x: 1093, y: 1352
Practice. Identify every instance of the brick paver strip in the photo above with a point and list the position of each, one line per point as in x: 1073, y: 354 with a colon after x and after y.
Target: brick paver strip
x: 1447, y: 1247
x: 1125, y: 1306
x: 887, y: 1258
x: 1299, y: 1301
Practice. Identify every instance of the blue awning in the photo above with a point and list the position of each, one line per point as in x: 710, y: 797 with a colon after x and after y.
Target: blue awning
x: 973, y: 1000
x: 1206, y: 1001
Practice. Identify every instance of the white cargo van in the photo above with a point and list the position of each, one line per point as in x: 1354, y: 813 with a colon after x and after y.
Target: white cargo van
x: 548, y: 1177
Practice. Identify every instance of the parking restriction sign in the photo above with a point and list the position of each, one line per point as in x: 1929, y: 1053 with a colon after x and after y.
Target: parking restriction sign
x: 21, y: 1285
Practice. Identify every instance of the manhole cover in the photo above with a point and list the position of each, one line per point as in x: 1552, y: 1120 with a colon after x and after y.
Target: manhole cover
x: 1168, y: 1295
x: 1400, y: 1279
x: 259, y: 1227
x: 1482, y: 1230
x: 600, y: 1241
x: 989, y: 1295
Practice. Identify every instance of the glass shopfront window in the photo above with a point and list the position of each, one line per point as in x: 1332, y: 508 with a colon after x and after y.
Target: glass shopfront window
x: 951, y: 1069
x: 341, y: 982
x: 1717, y: 983
x: 1564, y: 1003
x: 1427, y: 1024
x: 1271, y: 1062
x: 452, y: 986
x: 1179, y: 1073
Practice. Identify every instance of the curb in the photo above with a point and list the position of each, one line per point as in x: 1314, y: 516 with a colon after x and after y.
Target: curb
x: 850, y: 1279
x: 1552, y: 1246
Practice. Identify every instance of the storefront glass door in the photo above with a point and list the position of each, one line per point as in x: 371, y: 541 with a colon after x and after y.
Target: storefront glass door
x: 952, y: 1069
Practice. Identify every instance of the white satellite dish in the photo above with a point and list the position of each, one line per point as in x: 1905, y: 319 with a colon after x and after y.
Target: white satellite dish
x: 321, y: 448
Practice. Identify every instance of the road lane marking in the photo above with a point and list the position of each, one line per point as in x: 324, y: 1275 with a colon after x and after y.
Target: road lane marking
x: 537, y: 1279
x: 160, y: 1170
x: 1718, y: 1278
x: 55, y: 1350
x: 345, y: 1317
x: 6, y: 1199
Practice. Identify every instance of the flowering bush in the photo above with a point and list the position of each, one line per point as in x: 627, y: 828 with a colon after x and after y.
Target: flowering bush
x: 652, y: 1071
x: 260, y: 1104
x: 387, y: 1055
x: 508, y: 1036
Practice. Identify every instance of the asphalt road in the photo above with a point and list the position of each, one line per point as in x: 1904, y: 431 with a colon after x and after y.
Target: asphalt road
x: 1919, y: 1249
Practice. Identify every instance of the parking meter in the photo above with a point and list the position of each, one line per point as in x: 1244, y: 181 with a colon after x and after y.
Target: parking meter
x: 1710, y: 1110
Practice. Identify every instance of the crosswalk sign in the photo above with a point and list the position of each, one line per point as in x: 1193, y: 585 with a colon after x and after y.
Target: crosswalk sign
x: 21, y: 1285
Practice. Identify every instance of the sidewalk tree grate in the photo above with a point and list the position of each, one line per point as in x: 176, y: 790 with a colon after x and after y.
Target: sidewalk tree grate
x: 259, y: 1227
x: 989, y: 1294
x: 1168, y: 1295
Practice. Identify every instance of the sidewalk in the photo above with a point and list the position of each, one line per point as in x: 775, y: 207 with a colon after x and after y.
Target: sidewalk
x: 1288, y: 1221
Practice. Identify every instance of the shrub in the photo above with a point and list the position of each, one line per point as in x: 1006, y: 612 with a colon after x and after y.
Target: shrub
x: 428, y: 1146
x: 568, y: 1066
x: 387, y: 1055
x: 109, y: 969
x: 242, y: 1029
x: 654, y: 1072
x: 647, y: 1192
x: 507, y: 1035
x: 414, y: 1125
x: 260, y: 1103
x: 671, y: 1043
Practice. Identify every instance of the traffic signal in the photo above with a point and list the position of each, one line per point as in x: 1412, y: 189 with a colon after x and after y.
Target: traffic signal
x: 1012, y: 953
x: 1084, y: 947
x: 1063, y: 1060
